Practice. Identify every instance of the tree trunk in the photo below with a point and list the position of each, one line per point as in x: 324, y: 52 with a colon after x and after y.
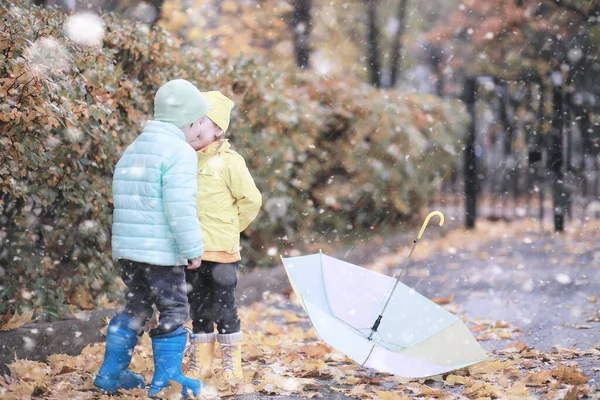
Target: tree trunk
x: 556, y: 154
x: 470, y: 166
x: 301, y: 24
x: 373, y: 45
x: 506, y: 121
x: 396, y: 60
x: 435, y: 57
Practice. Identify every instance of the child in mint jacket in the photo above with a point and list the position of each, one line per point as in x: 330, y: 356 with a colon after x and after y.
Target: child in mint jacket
x: 155, y: 234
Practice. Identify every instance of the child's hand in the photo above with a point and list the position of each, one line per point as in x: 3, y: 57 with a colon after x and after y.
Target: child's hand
x: 194, y: 263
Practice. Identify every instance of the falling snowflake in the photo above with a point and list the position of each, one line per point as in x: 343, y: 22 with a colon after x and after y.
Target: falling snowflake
x: 86, y: 29
x: 47, y: 57
x: 73, y: 135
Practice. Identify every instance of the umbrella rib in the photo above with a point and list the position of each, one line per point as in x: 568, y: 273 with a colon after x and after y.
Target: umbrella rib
x: 327, y: 298
x: 370, y: 352
x: 324, y: 286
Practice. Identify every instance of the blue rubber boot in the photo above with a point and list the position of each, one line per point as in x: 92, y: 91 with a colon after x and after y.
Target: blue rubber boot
x: 114, y: 373
x: 168, y: 355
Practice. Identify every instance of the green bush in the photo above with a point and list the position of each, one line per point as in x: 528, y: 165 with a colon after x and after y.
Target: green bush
x: 331, y: 156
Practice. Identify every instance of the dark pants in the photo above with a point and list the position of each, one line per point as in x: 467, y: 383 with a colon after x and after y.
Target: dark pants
x: 149, y: 284
x: 211, y: 296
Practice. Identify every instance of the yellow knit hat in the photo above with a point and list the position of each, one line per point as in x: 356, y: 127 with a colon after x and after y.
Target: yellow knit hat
x: 220, y: 108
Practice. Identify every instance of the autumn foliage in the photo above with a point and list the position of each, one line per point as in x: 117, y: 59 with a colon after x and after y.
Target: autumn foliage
x: 331, y: 157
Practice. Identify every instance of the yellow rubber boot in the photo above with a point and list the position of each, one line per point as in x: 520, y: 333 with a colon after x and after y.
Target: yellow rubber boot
x: 202, y: 354
x: 231, y: 350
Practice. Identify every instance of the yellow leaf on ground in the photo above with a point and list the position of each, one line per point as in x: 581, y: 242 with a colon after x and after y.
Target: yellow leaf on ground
x: 272, y: 329
x: 21, y: 390
x: 318, y: 350
x: 518, y: 390
x: 570, y: 375
x: 95, y: 349
x: 443, y: 300
x: 360, y: 391
x: 539, y: 378
x: 391, y: 396
x: 63, y: 364
x: 273, y: 383
x: 31, y: 371
x: 489, y: 367
x: 483, y: 389
x: 429, y: 392
x: 17, y: 321
x: 520, y: 346
x: 453, y: 380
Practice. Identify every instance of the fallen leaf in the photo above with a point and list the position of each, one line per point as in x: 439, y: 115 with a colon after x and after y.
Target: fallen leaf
x: 391, y: 396
x: 17, y: 321
x: 94, y: 349
x: 453, y: 380
x: 272, y: 328
x: 316, y: 350
x: 443, y: 300
x: 483, y: 389
x: 18, y: 391
x: 273, y: 383
x: 539, y: 378
x: 519, y: 389
x: 565, y: 353
x: 31, y: 371
x: 570, y: 375
x: 63, y: 364
x: 582, y: 326
x: 595, y: 318
x: 520, y: 346
x: 359, y: 391
x: 489, y: 367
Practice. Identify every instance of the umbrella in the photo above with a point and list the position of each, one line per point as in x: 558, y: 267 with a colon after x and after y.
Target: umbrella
x: 378, y: 321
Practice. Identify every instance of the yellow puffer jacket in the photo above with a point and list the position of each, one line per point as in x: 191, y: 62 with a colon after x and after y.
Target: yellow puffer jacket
x: 228, y: 199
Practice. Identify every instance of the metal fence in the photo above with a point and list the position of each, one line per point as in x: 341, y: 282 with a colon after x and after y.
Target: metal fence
x: 532, y: 151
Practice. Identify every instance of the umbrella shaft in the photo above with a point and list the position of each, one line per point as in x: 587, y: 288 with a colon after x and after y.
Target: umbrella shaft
x: 378, y: 321
x: 375, y: 326
x: 404, y: 269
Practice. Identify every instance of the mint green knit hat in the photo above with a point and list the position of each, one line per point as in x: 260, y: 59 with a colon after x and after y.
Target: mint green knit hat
x: 180, y: 103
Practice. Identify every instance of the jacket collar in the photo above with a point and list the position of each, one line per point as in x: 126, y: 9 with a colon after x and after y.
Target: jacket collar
x: 216, y: 147
x: 154, y: 126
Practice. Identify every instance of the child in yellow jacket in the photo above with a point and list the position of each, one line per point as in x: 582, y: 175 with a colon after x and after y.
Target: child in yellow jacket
x: 228, y: 201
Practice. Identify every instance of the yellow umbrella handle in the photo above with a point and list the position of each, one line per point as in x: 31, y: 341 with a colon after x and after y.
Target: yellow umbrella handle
x: 404, y: 269
x: 431, y: 214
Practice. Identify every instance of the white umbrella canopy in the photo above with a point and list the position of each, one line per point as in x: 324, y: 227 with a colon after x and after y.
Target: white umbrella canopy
x: 378, y: 321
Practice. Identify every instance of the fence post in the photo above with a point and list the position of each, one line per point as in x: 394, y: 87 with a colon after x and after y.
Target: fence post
x: 469, y: 97
x: 559, y: 195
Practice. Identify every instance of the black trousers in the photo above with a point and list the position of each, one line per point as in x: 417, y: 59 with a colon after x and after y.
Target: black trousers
x: 211, y: 295
x: 149, y: 284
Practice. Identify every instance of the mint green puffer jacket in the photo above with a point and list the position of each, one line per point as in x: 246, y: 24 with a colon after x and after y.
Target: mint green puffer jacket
x: 154, y: 190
